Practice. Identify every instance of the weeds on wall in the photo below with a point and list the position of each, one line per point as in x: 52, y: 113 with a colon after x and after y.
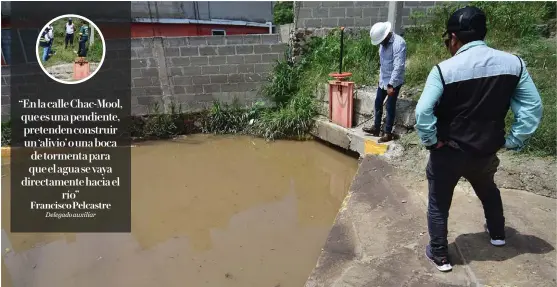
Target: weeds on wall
x: 360, y: 58
x: 512, y: 28
x: 162, y: 122
x: 6, y: 133
x: 223, y: 118
x: 293, y: 85
x: 291, y: 89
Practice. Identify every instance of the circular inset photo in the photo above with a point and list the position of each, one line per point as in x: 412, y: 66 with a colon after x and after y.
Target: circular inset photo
x: 70, y: 49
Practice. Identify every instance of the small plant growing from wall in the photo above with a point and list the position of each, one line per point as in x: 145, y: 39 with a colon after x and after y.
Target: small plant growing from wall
x: 164, y: 125
x: 6, y: 133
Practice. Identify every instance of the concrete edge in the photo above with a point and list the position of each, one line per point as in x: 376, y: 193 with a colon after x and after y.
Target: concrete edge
x: 340, y: 247
x: 353, y: 139
x: 353, y: 253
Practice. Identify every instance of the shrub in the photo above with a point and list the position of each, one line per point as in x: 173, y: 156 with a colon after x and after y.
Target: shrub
x: 283, y: 12
x: 360, y: 58
x: 293, y: 121
x: 6, y: 133
x: 164, y: 125
x: 511, y: 27
x: 284, y: 82
x: 292, y: 86
x: 223, y: 118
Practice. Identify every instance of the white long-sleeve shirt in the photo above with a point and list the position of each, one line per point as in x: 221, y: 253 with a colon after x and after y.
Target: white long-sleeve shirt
x: 69, y: 28
x: 49, y: 36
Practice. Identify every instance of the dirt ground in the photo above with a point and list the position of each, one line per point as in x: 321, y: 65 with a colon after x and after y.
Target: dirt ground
x: 518, y: 172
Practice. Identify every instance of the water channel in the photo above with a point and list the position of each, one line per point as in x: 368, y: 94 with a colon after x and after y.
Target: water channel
x: 206, y: 211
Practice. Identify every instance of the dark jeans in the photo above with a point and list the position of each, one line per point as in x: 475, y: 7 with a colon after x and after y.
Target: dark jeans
x: 69, y: 39
x: 391, y: 109
x: 444, y: 169
x: 82, y: 52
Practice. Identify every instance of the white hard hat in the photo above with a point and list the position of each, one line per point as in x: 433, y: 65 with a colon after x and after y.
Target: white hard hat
x: 379, y: 32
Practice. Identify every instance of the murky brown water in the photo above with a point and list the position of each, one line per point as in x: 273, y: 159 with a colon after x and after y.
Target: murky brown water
x: 206, y: 211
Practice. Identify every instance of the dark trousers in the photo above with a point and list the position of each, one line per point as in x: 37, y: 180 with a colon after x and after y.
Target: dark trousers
x: 391, y: 109
x: 69, y: 39
x: 444, y: 169
x: 82, y: 52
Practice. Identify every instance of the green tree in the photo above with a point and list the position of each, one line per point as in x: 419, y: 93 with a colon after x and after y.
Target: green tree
x: 283, y: 12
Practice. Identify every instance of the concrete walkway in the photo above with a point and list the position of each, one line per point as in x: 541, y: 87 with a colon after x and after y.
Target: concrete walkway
x: 379, y: 235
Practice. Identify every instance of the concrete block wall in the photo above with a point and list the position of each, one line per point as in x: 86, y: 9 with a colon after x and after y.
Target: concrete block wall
x: 196, y: 71
x: 192, y: 71
x: 5, y: 75
x: 331, y: 14
x: 356, y: 14
x: 410, y: 7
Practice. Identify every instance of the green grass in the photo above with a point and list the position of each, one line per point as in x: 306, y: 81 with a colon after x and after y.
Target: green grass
x: 64, y: 56
x: 541, y: 57
x: 291, y: 89
x: 511, y: 29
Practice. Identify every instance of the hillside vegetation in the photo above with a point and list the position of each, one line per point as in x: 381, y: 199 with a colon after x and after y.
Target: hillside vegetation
x: 511, y: 27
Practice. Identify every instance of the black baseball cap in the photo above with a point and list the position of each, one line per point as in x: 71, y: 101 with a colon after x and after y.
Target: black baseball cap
x: 468, y: 19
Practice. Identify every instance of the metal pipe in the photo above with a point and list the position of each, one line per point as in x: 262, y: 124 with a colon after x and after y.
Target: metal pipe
x: 341, y: 48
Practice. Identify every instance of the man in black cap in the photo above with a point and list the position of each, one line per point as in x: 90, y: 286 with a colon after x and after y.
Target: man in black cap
x: 460, y: 118
x: 69, y: 33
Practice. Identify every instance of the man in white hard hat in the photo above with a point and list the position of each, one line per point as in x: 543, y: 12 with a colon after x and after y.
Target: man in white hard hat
x: 392, y: 57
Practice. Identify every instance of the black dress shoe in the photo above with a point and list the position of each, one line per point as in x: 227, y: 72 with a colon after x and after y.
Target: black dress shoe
x: 372, y: 131
x: 387, y: 137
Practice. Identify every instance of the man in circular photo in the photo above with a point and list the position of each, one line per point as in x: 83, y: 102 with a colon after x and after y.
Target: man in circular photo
x: 70, y: 29
x: 70, y: 63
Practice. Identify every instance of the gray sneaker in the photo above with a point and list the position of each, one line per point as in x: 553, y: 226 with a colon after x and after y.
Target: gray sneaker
x: 495, y: 240
x: 441, y: 263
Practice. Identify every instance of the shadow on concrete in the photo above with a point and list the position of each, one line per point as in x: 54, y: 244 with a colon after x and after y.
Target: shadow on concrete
x: 476, y: 246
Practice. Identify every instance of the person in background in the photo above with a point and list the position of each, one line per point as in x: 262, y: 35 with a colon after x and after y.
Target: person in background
x: 46, y: 41
x: 392, y: 57
x: 69, y: 33
x: 83, y: 37
x: 460, y: 118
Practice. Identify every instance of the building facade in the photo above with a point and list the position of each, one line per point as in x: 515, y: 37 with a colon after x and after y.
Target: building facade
x: 200, y: 18
x: 174, y: 19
